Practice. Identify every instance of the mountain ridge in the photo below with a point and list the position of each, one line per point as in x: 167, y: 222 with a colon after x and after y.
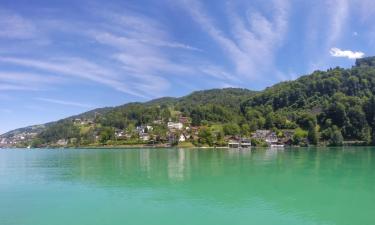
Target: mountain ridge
x: 162, y: 100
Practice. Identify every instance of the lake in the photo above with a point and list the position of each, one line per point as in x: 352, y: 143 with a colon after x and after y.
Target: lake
x: 187, y: 186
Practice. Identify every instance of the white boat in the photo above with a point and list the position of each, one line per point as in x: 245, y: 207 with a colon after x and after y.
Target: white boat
x: 277, y: 146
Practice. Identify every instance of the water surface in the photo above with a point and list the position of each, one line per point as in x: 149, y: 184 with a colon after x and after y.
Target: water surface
x: 187, y: 186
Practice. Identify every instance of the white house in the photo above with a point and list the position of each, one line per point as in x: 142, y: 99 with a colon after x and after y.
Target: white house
x: 62, y: 142
x: 172, y: 125
x: 272, y: 138
x: 145, y: 137
x: 182, y: 138
x: 144, y: 129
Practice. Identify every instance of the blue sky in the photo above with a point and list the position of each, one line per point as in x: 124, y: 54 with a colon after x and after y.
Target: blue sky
x: 60, y: 58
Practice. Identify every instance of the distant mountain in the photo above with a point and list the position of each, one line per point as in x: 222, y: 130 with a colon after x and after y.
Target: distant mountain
x: 326, y: 106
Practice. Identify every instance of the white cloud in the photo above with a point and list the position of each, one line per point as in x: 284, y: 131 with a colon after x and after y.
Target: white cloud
x: 336, y: 52
x: 63, y: 102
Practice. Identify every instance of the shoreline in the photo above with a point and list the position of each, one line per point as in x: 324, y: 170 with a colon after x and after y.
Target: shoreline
x: 182, y: 147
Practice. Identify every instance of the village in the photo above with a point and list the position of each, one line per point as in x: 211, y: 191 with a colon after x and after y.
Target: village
x: 178, y: 133
x: 17, y: 139
x: 181, y: 133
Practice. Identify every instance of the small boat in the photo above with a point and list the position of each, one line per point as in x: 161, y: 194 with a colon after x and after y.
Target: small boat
x: 277, y: 146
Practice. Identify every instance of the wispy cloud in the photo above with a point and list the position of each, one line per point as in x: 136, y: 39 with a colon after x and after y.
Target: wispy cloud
x: 15, y: 87
x: 325, y: 28
x: 148, y: 53
x: 64, y: 102
x: 253, y: 38
x: 339, y: 9
x: 28, y: 78
x: 23, y: 81
x: 6, y: 111
x: 138, y: 54
x: 76, y: 67
x: 336, y: 52
x: 14, y: 26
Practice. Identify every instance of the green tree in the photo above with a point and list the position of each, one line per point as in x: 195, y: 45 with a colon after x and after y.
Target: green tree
x: 245, y: 129
x: 336, y: 137
x: 336, y: 112
x: 106, y: 134
x: 312, y: 134
x: 299, y: 137
x: 269, y: 124
x: 231, y: 129
x: 205, y: 136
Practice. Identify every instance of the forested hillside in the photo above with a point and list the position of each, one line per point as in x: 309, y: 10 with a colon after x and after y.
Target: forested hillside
x: 325, y: 107
x: 338, y: 103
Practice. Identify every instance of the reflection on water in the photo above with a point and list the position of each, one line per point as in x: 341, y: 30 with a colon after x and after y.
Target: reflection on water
x: 304, y: 186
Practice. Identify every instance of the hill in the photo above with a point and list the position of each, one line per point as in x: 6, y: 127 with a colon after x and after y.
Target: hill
x: 324, y: 107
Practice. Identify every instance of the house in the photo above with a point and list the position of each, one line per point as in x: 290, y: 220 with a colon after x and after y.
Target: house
x: 182, y: 138
x: 194, y: 130
x: 287, y: 137
x: 77, y: 121
x: 144, y: 129
x: 288, y: 133
x: 233, y: 144
x: 261, y: 134
x: 184, y: 120
x: 266, y: 135
x: 157, y: 122
x: 119, y: 133
x: 245, y: 143
x: 3, y: 141
x: 145, y: 137
x: 272, y: 138
x: 239, y: 143
x: 90, y: 122
x: 177, y: 126
x: 62, y: 142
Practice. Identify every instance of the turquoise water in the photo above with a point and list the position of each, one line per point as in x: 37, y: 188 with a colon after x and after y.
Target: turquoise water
x: 187, y: 186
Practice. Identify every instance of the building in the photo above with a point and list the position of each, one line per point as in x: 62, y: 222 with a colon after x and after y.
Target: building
x: 184, y: 120
x: 144, y: 129
x: 79, y: 121
x: 261, y: 134
x: 145, y: 137
x: 272, y: 138
x: 233, y: 144
x: 183, y: 137
x: 158, y: 122
x: 245, y: 143
x: 120, y: 134
x: 176, y: 126
x: 62, y: 142
x: 239, y: 143
x: 266, y: 135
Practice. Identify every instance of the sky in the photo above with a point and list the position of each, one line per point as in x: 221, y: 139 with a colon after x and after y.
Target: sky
x: 61, y: 58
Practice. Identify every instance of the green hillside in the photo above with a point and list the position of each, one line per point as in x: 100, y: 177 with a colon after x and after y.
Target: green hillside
x: 326, y: 107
